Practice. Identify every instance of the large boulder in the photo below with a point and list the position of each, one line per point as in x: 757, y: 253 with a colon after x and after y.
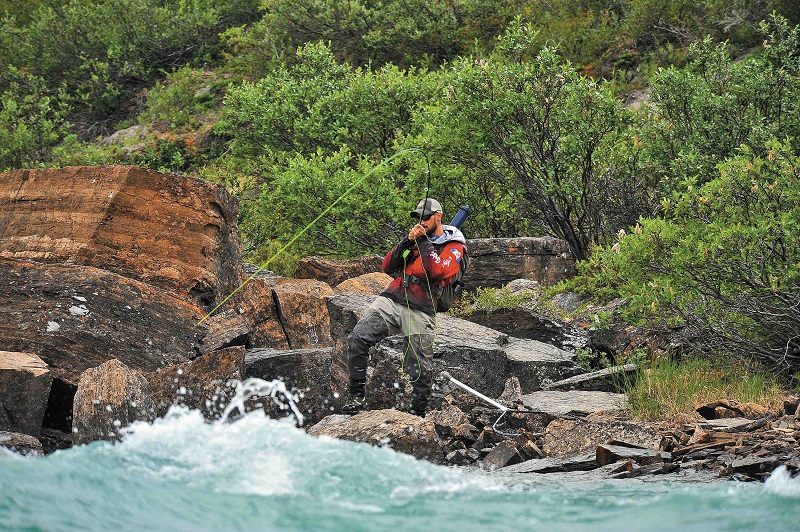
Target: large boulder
x: 403, y: 432
x: 24, y: 388
x: 115, y: 217
x: 497, y: 261
x: 478, y: 356
x: 23, y: 444
x: 77, y: 317
x: 306, y: 372
x: 110, y: 397
x: 526, y: 323
x: 303, y: 311
x: 206, y: 383
x: 334, y: 272
x: 369, y: 283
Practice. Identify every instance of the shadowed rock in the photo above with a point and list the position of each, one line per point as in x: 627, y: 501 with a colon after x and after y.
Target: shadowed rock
x: 75, y: 317
x: 306, y: 371
x: 608, y: 454
x: 24, y: 388
x: 582, y: 462
x: 403, y: 432
x: 526, y: 323
x: 110, y: 397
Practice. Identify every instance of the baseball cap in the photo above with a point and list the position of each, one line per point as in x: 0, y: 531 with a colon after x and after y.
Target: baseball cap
x: 431, y: 207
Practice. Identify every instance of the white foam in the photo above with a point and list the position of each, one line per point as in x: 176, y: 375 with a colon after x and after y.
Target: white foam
x: 780, y: 482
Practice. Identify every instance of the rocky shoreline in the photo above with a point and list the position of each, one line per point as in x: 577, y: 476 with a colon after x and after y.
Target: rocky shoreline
x: 108, y: 275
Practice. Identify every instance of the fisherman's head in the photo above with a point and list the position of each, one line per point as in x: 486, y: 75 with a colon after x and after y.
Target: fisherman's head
x: 429, y: 214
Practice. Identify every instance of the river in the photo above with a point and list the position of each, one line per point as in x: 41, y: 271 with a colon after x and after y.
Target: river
x: 256, y: 473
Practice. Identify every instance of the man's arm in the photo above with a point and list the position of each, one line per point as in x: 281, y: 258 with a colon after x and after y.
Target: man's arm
x: 393, y: 261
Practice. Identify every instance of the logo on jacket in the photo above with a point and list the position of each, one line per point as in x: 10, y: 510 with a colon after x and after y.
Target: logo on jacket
x: 456, y: 253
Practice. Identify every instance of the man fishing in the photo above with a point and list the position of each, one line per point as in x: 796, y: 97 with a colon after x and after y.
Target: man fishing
x: 424, y: 261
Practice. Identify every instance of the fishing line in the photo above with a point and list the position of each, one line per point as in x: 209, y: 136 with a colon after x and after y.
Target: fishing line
x: 314, y: 221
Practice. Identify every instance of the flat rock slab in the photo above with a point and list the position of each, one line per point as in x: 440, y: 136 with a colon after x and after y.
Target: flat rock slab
x: 605, y: 380
x: 581, y: 462
x: 566, y: 437
x: 608, y: 454
x: 733, y: 424
x: 573, y: 403
x: 403, y: 432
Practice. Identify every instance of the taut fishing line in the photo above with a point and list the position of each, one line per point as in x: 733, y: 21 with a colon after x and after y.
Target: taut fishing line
x: 314, y: 221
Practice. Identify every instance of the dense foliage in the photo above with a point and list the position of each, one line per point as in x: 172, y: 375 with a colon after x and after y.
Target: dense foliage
x: 686, y: 201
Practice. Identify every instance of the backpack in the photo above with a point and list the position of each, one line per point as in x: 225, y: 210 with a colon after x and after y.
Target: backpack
x: 446, y: 293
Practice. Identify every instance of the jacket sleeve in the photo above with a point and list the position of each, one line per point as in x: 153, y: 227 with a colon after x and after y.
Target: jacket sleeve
x: 442, y: 265
x: 393, y: 262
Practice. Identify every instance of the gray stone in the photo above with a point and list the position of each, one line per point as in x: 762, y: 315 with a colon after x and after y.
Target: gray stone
x: 733, y: 424
x: 582, y: 462
x: 503, y: 454
x: 526, y: 323
x: 573, y: 403
x: 109, y: 398
x: 24, y: 388
x: 605, y: 380
x: 306, y: 371
x: 403, y: 432
x: 608, y: 454
x: 536, y: 363
x: 497, y: 261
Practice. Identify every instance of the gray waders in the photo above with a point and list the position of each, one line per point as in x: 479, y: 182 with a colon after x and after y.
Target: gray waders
x: 386, y: 317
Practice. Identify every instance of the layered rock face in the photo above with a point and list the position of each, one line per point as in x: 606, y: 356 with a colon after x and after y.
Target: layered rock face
x: 173, y: 233
x: 498, y: 261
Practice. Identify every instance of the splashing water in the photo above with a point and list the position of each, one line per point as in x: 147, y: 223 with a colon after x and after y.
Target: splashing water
x: 183, y: 473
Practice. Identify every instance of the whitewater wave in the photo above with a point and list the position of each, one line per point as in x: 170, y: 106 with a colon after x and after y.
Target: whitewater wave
x: 780, y: 482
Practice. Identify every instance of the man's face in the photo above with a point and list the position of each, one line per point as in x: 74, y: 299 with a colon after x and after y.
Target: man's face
x: 431, y: 222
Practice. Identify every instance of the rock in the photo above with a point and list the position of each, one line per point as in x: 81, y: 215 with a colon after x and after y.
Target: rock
x: 573, y: 403
x: 24, y: 389
x: 302, y: 309
x: 114, y: 217
x: 512, y: 392
x: 526, y: 323
x: 565, y: 437
x: 658, y: 468
x: 536, y: 363
x: 582, y: 462
x: 477, y: 356
x: 23, y: 444
x: 451, y: 422
x: 568, y: 301
x: 790, y: 405
x: 503, y: 454
x: 518, y: 286
x: 70, y: 315
x: 200, y: 384
x: 110, y: 397
x: 497, y: 261
x: 719, y: 409
x: 306, y: 371
x: 125, y: 136
x: 403, y: 432
x: 613, y: 379
x: 754, y: 466
x: 368, y: 283
x: 733, y: 424
x: 250, y: 319
x: 334, y: 272
x: 608, y: 454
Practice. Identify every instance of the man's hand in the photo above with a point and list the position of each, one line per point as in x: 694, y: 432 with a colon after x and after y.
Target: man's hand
x: 417, y: 231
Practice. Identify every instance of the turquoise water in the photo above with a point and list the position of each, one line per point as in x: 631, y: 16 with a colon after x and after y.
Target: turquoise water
x: 180, y: 473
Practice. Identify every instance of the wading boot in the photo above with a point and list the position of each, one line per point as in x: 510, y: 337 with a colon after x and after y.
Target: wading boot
x: 354, y: 405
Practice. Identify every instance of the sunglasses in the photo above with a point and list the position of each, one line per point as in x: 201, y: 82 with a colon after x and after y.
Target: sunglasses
x: 426, y: 217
